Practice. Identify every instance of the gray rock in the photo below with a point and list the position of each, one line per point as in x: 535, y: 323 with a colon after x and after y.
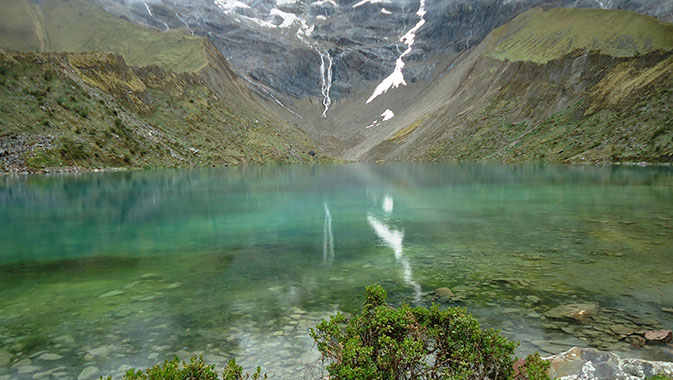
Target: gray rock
x: 575, y: 312
x: 27, y: 369
x: 87, y: 373
x: 591, y: 364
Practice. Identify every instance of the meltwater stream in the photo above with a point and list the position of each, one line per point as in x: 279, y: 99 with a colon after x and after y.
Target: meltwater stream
x: 102, y: 272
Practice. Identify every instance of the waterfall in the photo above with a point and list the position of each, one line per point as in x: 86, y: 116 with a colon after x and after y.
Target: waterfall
x: 326, y: 80
x: 471, y: 32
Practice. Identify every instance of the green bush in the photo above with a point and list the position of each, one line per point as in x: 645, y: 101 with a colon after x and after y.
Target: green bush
x: 535, y: 368
x: 195, y: 369
x: 411, y: 343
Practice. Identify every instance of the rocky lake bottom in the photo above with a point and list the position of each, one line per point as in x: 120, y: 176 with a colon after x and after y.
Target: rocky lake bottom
x: 103, y: 272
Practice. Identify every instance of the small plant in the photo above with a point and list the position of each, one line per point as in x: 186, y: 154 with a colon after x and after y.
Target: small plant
x: 411, y: 343
x: 195, y: 369
x: 534, y: 368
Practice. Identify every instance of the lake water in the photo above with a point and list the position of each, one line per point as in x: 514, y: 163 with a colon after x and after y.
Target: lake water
x: 107, y: 270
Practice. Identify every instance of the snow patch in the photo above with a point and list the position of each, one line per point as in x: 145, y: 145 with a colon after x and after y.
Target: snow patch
x: 363, y: 2
x: 228, y: 6
x: 386, y: 12
x: 387, y: 115
x: 396, y: 79
x: 288, y: 18
x: 321, y: 17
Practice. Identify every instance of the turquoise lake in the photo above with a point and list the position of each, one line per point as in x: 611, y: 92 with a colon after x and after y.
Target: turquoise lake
x: 101, y: 272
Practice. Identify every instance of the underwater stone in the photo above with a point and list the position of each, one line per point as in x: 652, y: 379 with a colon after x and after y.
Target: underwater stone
x: 49, y: 356
x: 87, y: 373
x: 5, y: 357
x: 577, y: 312
x: 659, y: 336
x: 444, y: 292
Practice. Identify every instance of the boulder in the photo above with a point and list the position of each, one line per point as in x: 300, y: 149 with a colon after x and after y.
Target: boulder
x: 579, y: 312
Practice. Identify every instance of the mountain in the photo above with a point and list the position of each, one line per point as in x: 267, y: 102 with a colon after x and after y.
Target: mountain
x: 544, y: 87
x: 178, y: 103
x: 328, y: 50
x: 512, y: 80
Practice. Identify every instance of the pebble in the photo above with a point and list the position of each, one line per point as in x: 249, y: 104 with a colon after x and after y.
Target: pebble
x: 87, y: 373
x: 153, y: 356
x: 111, y: 293
x: 174, y: 285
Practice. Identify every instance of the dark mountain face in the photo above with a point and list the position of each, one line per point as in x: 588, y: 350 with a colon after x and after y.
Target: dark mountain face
x: 330, y: 48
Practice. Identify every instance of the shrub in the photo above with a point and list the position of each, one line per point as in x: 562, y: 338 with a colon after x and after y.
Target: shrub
x: 411, y: 343
x: 534, y: 368
x: 195, y: 369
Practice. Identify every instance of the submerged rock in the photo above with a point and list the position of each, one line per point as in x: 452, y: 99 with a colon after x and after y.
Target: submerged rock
x: 576, y: 312
x: 591, y: 364
x: 5, y: 357
x: 659, y: 336
x: 49, y: 356
x: 87, y: 373
x: 444, y: 292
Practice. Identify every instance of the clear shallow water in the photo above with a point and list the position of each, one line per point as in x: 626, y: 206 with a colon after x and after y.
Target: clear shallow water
x: 101, y: 271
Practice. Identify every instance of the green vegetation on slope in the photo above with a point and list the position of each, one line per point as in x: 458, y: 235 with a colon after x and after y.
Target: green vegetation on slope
x: 93, y: 111
x: 78, y: 26
x: 616, y: 121
x: 540, y: 36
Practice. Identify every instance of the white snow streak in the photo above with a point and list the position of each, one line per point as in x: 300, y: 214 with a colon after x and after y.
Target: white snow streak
x: 322, y: 3
x: 268, y: 93
x: 396, y: 79
x: 184, y: 22
x: 386, y: 12
x: 363, y: 2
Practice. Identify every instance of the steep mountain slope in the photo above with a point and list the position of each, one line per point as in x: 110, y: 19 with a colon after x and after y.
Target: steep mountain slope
x: 540, y: 35
x: 513, y: 99
x: 310, y: 55
x: 68, y: 111
x: 78, y: 26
